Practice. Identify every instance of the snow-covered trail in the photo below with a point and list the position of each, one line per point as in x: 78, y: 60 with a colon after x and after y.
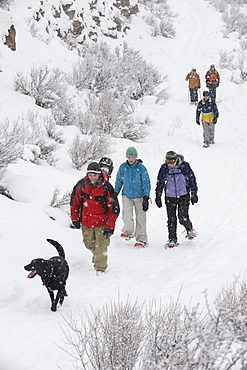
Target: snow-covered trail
x: 31, y: 333
x: 217, y: 170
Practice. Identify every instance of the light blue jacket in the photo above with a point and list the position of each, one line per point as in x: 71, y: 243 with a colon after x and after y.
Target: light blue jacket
x: 134, y: 179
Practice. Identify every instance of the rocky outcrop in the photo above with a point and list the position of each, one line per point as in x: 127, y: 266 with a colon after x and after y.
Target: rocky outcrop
x: 86, y: 20
x: 10, y: 38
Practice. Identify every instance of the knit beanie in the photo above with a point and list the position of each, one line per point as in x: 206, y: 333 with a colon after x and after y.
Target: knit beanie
x: 171, y: 155
x: 131, y: 152
x: 93, y: 167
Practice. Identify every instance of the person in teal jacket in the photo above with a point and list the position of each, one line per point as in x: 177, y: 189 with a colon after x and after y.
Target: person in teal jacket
x: 132, y: 177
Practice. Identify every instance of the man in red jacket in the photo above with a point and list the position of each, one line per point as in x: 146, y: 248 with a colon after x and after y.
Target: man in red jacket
x: 95, y: 206
x: 212, y: 78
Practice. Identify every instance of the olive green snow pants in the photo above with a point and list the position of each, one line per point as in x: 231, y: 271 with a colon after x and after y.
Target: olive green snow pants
x: 97, y: 243
x: 140, y: 219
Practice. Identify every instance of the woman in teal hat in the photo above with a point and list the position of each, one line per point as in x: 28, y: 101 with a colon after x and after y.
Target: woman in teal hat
x: 132, y: 177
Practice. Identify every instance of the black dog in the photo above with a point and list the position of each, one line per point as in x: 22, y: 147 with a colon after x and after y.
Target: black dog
x: 53, y: 272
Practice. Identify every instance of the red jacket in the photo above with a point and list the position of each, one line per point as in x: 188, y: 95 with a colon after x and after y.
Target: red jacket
x: 94, y: 204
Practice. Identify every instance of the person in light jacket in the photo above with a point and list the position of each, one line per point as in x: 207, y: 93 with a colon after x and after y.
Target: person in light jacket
x: 178, y: 181
x: 132, y: 177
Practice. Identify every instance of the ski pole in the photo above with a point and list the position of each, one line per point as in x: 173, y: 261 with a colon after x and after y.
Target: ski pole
x: 200, y: 94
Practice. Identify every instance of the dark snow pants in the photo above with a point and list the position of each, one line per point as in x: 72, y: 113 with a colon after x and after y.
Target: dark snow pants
x: 193, y: 95
x: 180, y: 204
x: 212, y: 91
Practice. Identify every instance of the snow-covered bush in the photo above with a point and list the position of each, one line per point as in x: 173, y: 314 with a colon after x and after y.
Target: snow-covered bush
x: 5, y: 4
x: 136, y: 77
x: 171, y: 332
x: 226, y: 60
x: 109, y: 339
x: 221, y: 5
x: 108, y: 115
x: 172, y: 337
x: 45, y: 85
x: 35, y: 136
x: 82, y: 150
x: 11, y: 143
x: 135, y: 132
x: 59, y: 202
x: 123, y: 72
x: 235, y: 21
x: 52, y: 131
x: 96, y: 68
x: 231, y: 302
x: 64, y: 111
x: 160, y: 18
x: 235, y: 60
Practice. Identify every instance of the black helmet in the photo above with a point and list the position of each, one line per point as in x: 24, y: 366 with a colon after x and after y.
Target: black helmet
x: 106, y: 165
x: 205, y: 93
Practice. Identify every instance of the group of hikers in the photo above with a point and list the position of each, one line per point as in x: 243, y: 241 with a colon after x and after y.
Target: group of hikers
x: 206, y: 108
x: 94, y: 205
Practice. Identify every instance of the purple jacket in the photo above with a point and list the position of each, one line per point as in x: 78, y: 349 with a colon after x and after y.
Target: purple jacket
x: 176, y: 181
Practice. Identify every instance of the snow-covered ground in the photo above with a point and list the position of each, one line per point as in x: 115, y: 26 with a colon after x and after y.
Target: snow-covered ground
x: 30, y: 332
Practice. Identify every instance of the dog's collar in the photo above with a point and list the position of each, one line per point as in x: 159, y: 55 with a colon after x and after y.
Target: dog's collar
x: 51, y: 273
x: 49, y: 276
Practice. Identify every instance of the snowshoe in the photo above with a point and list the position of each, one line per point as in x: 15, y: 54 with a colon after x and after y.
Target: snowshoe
x: 171, y: 244
x: 191, y: 234
x: 141, y: 244
x: 126, y: 237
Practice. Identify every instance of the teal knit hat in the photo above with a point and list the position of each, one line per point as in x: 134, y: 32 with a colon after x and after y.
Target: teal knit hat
x: 131, y: 152
x: 171, y: 155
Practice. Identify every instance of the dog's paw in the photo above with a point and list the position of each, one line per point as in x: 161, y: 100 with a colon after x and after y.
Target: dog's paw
x: 54, y: 308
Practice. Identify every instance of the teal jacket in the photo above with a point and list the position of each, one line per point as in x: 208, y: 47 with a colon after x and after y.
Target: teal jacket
x: 134, y: 180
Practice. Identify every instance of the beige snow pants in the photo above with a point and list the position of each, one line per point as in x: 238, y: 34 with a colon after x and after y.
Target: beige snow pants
x: 139, y: 226
x: 97, y: 243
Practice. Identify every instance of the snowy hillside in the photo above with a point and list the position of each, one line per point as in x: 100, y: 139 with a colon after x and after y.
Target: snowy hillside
x: 31, y: 333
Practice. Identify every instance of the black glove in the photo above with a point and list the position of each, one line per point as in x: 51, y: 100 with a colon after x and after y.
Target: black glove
x: 145, y: 203
x: 76, y: 224
x: 108, y: 233
x: 214, y: 120
x: 198, y: 121
x: 199, y: 86
x: 158, y: 200
x: 194, y: 198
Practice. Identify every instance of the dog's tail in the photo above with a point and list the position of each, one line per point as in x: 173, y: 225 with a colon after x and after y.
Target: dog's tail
x: 58, y: 247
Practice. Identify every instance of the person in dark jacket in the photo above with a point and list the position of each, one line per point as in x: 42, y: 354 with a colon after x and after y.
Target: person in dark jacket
x: 208, y: 110
x: 95, y: 208
x: 106, y: 165
x: 132, y: 177
x: 212, y: 78
x: 178, y: 181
